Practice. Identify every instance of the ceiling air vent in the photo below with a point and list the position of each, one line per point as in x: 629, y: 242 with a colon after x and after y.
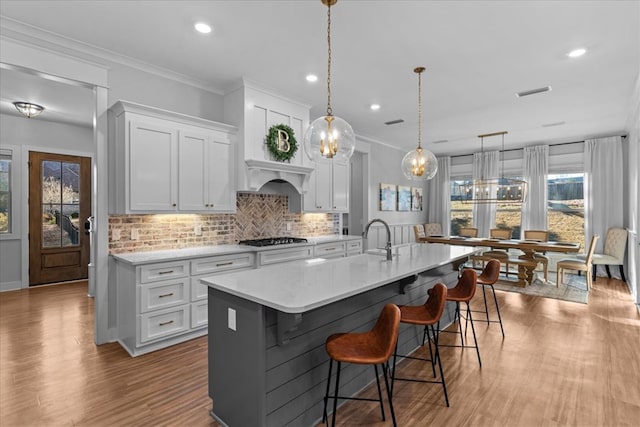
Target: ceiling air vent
x: 533, y: 91
x: 440, y: 141
x: 549, y: 125
x: 394, y: 122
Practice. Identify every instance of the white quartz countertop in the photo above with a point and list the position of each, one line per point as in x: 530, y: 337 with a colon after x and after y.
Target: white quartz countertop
x: 138, y: 258
x: 301, y: 286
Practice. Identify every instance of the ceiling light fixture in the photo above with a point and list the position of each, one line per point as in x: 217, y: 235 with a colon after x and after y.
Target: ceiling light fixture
x: 203, y: 28
x: 28, y: 109
x: 329, y: 136
x: 575, y: 53
x: 312, y: 78
x: 419, y: 164
x: 493, y: 190
x: 375, y: 107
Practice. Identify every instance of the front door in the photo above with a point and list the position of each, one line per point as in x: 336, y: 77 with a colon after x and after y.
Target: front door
x: 59, y: 204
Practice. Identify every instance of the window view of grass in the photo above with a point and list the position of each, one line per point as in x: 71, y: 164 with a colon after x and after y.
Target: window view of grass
x: 565, y: 213
x: 5, y: 193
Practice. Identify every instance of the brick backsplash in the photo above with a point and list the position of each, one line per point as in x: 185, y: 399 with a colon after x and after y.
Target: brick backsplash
x: 257, y: 216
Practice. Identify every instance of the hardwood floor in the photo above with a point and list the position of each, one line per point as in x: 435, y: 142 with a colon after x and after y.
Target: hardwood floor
x: 561, y: 363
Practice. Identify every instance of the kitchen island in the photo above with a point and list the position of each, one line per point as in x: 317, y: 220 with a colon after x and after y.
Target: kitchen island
x: 267, y: 327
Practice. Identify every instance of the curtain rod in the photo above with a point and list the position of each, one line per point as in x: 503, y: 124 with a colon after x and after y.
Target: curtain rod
x: 522, y: 148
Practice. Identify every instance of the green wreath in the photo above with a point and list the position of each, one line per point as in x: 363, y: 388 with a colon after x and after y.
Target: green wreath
x: 280, y: 149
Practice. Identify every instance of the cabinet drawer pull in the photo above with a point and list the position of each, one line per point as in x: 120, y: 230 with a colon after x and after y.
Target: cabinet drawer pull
x: 165, y: 272
x: 165, y: 295
x: 222, y: 264
x: 330, y: 249
x: 165, y: 323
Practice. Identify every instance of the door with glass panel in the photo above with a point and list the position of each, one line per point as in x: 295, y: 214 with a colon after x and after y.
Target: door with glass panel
x: 59, y: 205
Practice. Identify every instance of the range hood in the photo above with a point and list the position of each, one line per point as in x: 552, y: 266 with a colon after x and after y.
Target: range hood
x: 254, y: 109
x: 260, y: 172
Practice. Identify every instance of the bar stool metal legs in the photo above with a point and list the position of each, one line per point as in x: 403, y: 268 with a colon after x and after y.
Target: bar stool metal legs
x: 489, y: 276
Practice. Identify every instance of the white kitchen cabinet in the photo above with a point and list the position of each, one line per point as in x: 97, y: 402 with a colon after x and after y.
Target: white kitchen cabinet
x: 164, y: 303
x: 205, y: 181
x: 329, y: 187
x: 330, y: 250
x: 160, y: 162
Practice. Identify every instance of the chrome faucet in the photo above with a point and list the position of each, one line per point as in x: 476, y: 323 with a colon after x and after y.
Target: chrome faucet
x: 388, y: 245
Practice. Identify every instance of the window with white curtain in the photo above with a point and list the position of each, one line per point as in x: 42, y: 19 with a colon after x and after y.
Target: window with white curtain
x: 566, y: 207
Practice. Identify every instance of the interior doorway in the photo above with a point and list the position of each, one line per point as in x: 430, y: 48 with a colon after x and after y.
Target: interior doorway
x: 358, y: 191
x: 59, y: 205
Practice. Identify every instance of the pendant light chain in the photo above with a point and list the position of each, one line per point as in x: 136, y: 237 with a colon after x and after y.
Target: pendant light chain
x: 329, y: 110
x: 419, y: 108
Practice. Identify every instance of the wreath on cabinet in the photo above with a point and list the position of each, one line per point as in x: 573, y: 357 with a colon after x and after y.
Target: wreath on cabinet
x: 281, y: 142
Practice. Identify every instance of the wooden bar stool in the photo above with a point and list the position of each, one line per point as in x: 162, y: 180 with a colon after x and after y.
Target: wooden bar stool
x: 464, y: 291
x: 374, y: 347
x: 488, y: 277
x: 426, y: 315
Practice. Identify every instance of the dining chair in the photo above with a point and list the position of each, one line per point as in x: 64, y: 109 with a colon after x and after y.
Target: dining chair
x: 615, y: 245
x: 501, y: 255
x: 418, y: 231
x: 433, y: 229
x: 540, y: 258
x: 468, y: 232
x: 578, y: 264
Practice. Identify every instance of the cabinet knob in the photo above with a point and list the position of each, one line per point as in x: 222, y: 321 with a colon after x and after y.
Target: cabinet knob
x: 174, y: 205
x: 206, y: 205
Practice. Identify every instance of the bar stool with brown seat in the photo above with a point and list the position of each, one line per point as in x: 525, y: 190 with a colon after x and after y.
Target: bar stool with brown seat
x: 374, y: 347
x: 464, y: 291
x: 427, y: 315
x: 488, y: 277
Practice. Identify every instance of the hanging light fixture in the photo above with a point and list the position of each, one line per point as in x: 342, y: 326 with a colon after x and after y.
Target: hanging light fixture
x: 28, y: 109
x: 419, y: 164
x: 493, y: 190
x: 329, y: 136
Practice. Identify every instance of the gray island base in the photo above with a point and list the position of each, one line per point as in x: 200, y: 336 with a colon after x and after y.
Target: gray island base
x: 267, y: 327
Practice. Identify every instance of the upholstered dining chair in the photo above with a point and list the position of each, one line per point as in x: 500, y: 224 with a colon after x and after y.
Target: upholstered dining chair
x: 540, y: 258
x: 433, y: 229
x: 578, y: 264
x: 468, y: 232
x: 418, y: 231
x: 615, y: 245
x: 500, y: 254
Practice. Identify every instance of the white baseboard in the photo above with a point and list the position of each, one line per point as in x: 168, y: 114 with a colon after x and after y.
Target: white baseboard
x: 10, y: 286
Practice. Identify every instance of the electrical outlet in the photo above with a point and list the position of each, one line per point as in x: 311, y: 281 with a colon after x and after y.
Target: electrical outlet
x: 288, y: 226
x: 232, y: 319
x: 115, y: 234
x: 197, y: 229
x: 135, y: 234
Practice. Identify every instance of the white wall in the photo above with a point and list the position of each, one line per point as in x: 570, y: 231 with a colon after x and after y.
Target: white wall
x: 137, y: 86
x: 631, y: 212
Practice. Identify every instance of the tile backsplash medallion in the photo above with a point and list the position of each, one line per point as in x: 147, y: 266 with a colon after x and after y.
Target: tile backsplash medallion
x: 257, y: 216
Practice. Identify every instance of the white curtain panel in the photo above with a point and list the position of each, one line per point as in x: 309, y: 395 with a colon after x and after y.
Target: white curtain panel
x: 485, y: 166
x: 536, y: 168
x: 602, y: 187
x: 439, y: 195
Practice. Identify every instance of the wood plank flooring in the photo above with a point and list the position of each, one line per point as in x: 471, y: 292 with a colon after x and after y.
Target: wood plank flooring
x: 561, y: 364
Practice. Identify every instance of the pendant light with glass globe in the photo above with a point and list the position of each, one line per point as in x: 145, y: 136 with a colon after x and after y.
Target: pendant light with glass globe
x: 329, y: 136
x: 419, y: 164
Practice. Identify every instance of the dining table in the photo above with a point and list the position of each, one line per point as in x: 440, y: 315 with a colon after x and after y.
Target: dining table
x: 526, y: 262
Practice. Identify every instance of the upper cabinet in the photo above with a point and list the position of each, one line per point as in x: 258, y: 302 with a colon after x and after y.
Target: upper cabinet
x: 329, y: 188
x: 161, y: 162
x: 254, y: 110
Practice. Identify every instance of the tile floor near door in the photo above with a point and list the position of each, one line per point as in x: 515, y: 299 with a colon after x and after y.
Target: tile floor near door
x: 561, y: 363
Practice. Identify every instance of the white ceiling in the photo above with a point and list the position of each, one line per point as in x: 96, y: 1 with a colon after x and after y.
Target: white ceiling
x: 477, y: 55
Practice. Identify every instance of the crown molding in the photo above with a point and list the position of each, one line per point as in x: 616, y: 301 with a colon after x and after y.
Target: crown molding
x: 25, y: 33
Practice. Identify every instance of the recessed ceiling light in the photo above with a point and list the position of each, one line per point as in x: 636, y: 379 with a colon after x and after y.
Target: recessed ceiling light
x: 375, y: 107
x: 202, y: 28
x: 312, y: 78
x: 577, y: 52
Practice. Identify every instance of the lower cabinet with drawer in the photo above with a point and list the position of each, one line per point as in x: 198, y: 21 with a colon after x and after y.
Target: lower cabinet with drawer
x: 162, y: 304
